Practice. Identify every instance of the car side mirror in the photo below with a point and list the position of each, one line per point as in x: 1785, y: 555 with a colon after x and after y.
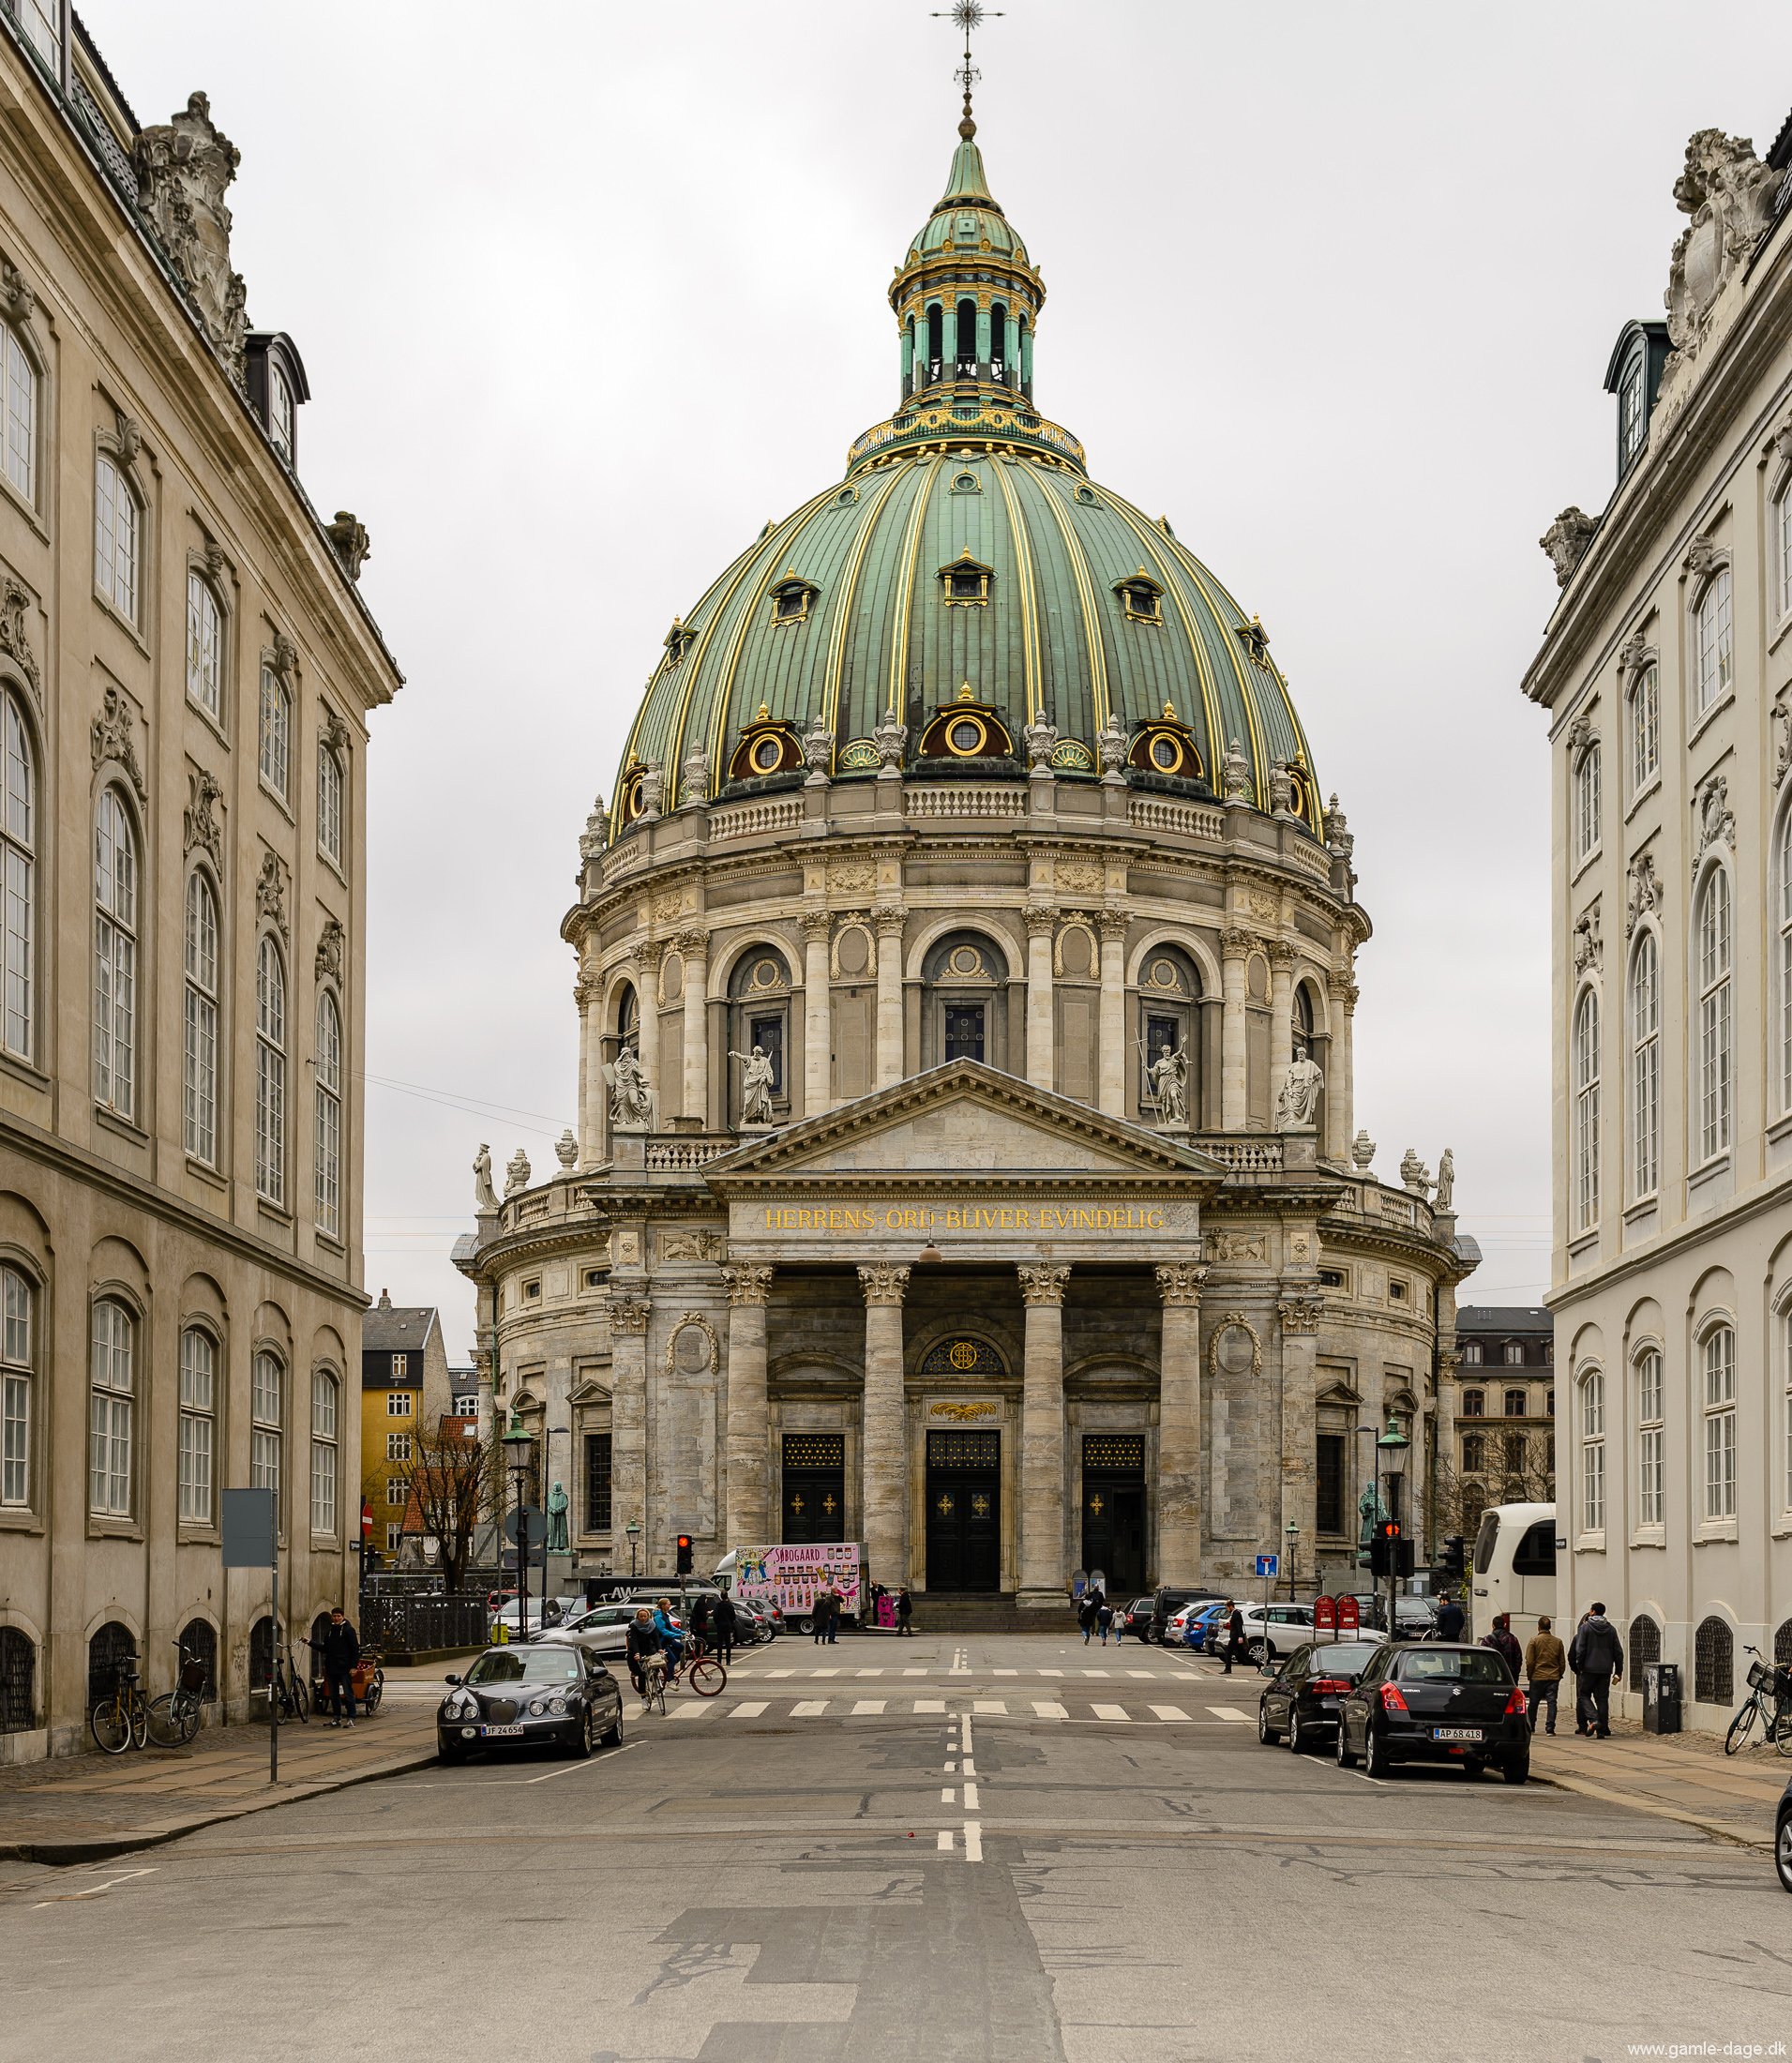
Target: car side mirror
x: 1268, y: 1669
x: 451, y: 1679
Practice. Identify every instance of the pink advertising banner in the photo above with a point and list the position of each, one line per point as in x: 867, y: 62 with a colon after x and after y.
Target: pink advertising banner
x: 789, y: 1578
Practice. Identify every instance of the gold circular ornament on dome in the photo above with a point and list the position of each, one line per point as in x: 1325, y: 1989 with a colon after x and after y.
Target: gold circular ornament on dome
x: 765, y: 754
x: 1167, y: 753
x: 966, y: 736
x: 963, y: 1354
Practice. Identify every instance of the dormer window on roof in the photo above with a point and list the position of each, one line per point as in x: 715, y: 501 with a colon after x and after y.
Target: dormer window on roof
x: 277, y: 387
x: 791, y: 599
x: 1633, y: 374
x: 966, y: 581
x: 1141, y: 597
x: 1166, y: 745
x: 678, y: 642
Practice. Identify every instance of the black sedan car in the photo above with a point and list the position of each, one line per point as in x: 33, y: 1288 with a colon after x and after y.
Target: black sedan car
x: 1782, y: 1839
x: 1436, y: 1701
x: 1299, y: 1702
x: 545, y: 1695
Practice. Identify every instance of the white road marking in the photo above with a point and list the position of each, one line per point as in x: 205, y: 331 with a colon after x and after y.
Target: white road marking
x: 970, y: 1767
x: 1146, y: 1674
x: 1228, y: 1711
x: 780, y: 1672
x: 990, y: 1705
x: 1047, y: 1710
x: 94, y: 1891
x: 1109, y: 1711
x: 970, y: 1804
x: 689, y: 1712
x: 869, y: 1672
x: 1005, y: 1672
x: 914, y: 1672
x: 824, y: 1672
x: 945, y: 1840
x: 1169, y: 1712
x: 929, y: 1705
x: 972, y: 1842
x: 871, y: 1705
x: 748, y: 1710
x: 948, y: 1796
x: 809, y: 1709
x: 571, y: 1768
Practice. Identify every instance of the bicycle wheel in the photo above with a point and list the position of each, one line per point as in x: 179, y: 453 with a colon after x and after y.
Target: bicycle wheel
x: 162, y: 1721
x: 139, y: 1720
x: 1741, y: 1727
x: 110, y: 1725
x: 186, y: 1709
x: 706, y: 1677
x: 301, y: 1702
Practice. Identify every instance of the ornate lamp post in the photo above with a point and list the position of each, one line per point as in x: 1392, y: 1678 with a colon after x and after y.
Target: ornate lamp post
x: 1392, y: 1449
x: 1292, y: 1535
x: 632, y: 1530
x: 516, y: 1444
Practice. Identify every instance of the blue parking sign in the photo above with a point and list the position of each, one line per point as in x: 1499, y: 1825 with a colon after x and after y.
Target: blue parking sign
x: 1269, y: 1565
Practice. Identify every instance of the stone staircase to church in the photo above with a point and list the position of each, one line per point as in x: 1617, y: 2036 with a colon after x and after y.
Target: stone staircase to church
x: 984, y: 1612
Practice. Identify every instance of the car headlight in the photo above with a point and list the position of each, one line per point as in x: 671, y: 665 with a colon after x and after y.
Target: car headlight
x: 556, y: 1705
x: 536, y: 1707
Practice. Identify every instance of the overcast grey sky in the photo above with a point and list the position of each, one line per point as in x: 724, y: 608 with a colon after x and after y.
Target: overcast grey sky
x: 586, y: 293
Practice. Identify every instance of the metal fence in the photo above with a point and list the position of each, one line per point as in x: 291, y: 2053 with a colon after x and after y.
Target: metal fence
x: 408, y: 1625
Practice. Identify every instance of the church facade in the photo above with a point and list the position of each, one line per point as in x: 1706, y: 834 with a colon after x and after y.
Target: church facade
x: 967, y: 1162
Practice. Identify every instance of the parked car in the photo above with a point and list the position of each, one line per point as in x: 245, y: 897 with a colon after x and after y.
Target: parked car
x: 1435, y: 1701
x: 1782, y: 1839
x: 546, y: 1694
x: 1136, y: 1618
x: 1168, y: 1600
x: 1180, y: 1629
x: 753, y: 1624
x: 1206, y: 1627
x: 1299, y: 1702
x: 1414, y: 1618
x: 600, y: 1630
x: 514, y: 1617
x: 1273, y: 1631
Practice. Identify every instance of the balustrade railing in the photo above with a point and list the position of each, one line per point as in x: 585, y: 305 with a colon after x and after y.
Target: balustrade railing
x: 675, y: 1155
x: 951, y: 800
x: 1152, y: 813
x: 746, y: 819
x: 1243, y: 1156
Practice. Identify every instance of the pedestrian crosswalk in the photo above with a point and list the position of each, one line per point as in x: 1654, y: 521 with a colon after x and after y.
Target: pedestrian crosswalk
x: 1148, y: 1713
x: 1173, y: 1673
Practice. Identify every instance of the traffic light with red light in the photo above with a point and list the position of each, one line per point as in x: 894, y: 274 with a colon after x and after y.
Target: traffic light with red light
x: 685, y: 1544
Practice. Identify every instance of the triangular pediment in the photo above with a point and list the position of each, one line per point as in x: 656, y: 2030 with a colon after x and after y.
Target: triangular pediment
x: 960, y: 1122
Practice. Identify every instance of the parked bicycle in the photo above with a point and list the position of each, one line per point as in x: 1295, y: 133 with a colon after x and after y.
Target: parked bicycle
x: 1770, y: 1700
x: 289, y: 1689
x: 120, y: 1720
x: 173, y: 1718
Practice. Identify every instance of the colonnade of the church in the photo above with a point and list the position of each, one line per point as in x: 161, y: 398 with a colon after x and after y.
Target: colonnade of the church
x: 693, y: 1095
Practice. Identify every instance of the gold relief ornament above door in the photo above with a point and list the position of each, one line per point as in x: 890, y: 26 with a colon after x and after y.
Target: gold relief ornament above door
x: 965, y: 1413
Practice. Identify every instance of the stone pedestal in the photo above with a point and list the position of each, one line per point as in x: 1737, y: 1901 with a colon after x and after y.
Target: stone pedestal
x: 748, y: 1514
x: 884, y: 1428
x: 1179, y: 1424
x: 1042, y: 1568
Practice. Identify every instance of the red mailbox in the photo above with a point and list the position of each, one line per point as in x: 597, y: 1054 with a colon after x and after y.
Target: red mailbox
x: 1350, y: 1619
x: 1325, y: 1615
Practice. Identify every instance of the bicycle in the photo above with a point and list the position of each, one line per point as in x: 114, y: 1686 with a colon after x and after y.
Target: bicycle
x: 703, y: 1673
x: 1766, y: 1683
x: 288, y: 1688
x: 172, y: 1718
x: 652, y: 1684
x: 122, y: 1720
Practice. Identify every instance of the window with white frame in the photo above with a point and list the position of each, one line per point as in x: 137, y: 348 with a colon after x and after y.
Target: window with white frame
x: 1712, y: 966
x: 18, y: 1390
x: 116, y: 527
x: 199, y: 1025
x: 267, y: 1380
x: 323, y: 1451
x: 329, y: 803
x: 1514, y: 1356
x: 1645, y: 1065
x: 40, y: 23
x: 198, y: 1424
x: 1650, y: 1435
x: 1785, y: 1391
x: 1713, y: 643
x: 270, y: 1073
x: 276, y: 760
x: 1586, y: 1111
x: 1782, y: 860
x: 1471, y: 1354
x: 18, y: 880
x: 111, y: 1419
x: 397, y: 1446
x: 115, y: 956
x: 393, y: 1534
x: 1781, y: 530
x: 280, y: 412
x: 1645, y: 706
x: 1718, y: 1353
x: 21, y: 419
x: 397, y: 1403
x: 397, y: 1489
x: 1588, y: 798
x: 1632, y: 420
x: 400, y: 1366
x: 328, y: 1115
x: 204, y: 647
x: 1592, y: 1451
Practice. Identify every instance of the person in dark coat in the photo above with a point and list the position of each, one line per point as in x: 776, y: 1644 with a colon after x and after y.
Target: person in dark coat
x: 1234, y: 1636
x: 340, y: 1651
x: 1596, y: 1657
x: 703, y: 1605
x: 722, y: 1627
x: 836, y: 1609
x: 1503, y: 1642
x: 1450, y: 1619
x: 905, y: 1612
x: 1086, y: 1611
x: 820, y: 1613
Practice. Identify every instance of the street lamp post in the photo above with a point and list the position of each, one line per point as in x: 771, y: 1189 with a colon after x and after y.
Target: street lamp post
x: 516, y: 1444
x: 1292, y: 1536
x: 632, y: 1530
x: 1392, y: 1449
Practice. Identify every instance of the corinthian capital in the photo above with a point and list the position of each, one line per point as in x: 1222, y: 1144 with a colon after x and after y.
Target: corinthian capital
x: 1180, y: 1281
x: 883, y: 1283
x: 629, y: 1314
x: 1041, y: 1282
x: 816, y: 925
x: 1040, y: 920
x: 748, y: 1282
x: 1236, y: 945
x: 1300, y: 1312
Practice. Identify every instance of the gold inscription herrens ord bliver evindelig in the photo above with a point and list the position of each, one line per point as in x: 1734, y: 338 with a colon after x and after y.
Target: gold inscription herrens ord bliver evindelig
x: 965, y: 1217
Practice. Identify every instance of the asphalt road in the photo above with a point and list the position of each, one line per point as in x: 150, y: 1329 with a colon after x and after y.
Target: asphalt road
x: 982, y: 1851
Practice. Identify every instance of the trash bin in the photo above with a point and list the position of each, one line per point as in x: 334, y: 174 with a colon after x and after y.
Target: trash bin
x: 1661, y: 1697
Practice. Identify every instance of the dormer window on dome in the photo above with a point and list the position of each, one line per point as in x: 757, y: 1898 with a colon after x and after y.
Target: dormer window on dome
x: 1141, y: 597
x: 966, y: 581
x: 1166, y: 745
x: 791, y: 599
x: 678, y: 643
x: 1256, y: 640
x: 767, y: 746
x: 966, y: 730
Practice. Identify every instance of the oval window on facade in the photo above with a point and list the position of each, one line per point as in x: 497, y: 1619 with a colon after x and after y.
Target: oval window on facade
x: 965, y: 737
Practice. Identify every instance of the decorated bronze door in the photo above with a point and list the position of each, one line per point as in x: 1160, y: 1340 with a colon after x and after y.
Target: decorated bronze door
x: 964, y: 1510
x: 814, y: 1487
x: 1114, y: 1511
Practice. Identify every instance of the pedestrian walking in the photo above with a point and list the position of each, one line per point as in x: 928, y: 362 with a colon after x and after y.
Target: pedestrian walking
x: 819, y: 1614
x: 905, y: 1612
x: 1105, y: 1619
x: 1234, y: 1636
x: 836, y: 1606
x: 1504, y: 1643
x: 703, y: 1606
x: 1450, y: 1619
x: 1545, y: 1663
x: 342, y: 1650
x: 723, y: 1623
x: 1086, y: 1614
x: 1596, y: 1657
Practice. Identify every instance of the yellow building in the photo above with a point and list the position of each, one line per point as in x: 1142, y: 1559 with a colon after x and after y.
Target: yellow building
x: 404, y: 1387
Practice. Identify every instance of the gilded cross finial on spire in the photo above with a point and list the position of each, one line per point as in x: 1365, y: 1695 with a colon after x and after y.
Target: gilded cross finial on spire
x: 968, y: 15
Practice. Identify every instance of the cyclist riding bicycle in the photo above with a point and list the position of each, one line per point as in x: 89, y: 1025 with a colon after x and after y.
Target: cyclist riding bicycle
x: 643, y: 1640
x: 670, y: 1637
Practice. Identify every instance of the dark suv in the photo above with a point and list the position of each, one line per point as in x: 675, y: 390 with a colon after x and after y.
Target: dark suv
x: 1169, y: 1600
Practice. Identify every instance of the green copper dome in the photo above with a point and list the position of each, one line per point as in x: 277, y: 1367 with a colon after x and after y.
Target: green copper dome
x: 966, y: 563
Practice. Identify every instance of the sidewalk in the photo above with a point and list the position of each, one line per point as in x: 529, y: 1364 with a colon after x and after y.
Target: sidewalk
x: 1686, y: 1777
x: 89, y: 1808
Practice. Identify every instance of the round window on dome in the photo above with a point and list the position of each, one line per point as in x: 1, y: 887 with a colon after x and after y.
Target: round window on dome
x: 965, y: 736
x: 1167, y: 753
x: 765, y: 754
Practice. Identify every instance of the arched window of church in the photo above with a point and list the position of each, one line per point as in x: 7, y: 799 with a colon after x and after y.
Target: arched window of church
x: 965, y: 978
x: 1170, y: 1035
x: 998, y: 342
x: 759, y: 1024
x: 936, y: 341
x: 967, y: 341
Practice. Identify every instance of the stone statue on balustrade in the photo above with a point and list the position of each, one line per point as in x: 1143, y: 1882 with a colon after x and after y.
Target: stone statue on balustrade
x: 757, y: 1081
x: 1447, y: 1180
x: 485, y: 1195
x: 1297, y: 1102
x: 1168, y: 1078
x: 632, y: 1100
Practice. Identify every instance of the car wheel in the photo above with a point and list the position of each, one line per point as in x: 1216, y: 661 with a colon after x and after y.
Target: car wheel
x: 1375, y: 1760
x: 587, y: 1736
x: 1517, y: 1770
x: 449, y: 1752
x: 1782, y: 1850
x: 1297, y: 1735
x: 1254, y: 1654
x: 613, y: 1738
x: 1346, y: 1759
x: 1266, y: 1734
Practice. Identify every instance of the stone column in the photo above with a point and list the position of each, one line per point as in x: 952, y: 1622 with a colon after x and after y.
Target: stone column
x: 818, y: 1017
x: 1340, y: 1095
x: 587, y: 993
x: 629, y: 1311
x: 694, y: 946
x: 883, y: 1429
x: 647, y: 959
x: 1300, y: 1309
x: 1234, y: 1062
x: 1179, y: 1422
x: 748, y: 1515
x: 890, y: 925
x: 1041, y: 1067
x: 1042, y: 1436
x: 1281, y: 1008
x: 1110, y: 1094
